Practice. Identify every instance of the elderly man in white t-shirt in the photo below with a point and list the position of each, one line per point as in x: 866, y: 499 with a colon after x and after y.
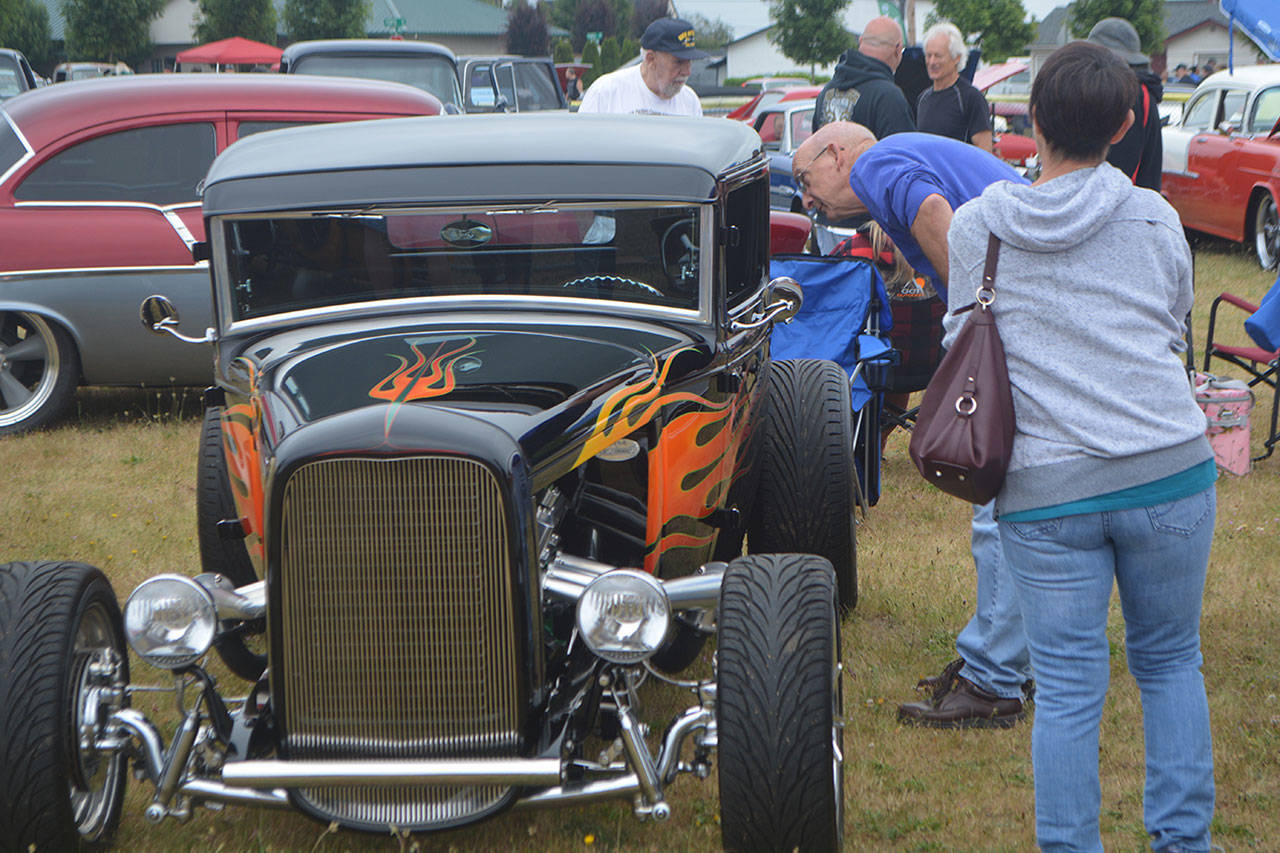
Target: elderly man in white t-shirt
x: 657, y: 85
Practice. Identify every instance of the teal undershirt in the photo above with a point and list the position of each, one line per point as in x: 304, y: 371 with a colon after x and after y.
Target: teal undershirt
x: 1184, y: 484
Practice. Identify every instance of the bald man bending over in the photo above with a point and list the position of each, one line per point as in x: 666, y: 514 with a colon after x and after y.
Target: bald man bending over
x: 862, y: 88
x: 910, y: 184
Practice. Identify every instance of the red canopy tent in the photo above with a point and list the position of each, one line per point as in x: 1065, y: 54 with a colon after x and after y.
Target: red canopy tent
x: 232, y: 51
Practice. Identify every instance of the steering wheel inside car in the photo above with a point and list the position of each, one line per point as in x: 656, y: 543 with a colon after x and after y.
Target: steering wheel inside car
x: 615, y: 282
x: 680, y: 254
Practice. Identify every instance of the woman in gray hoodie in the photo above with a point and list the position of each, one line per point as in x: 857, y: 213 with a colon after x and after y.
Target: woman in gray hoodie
x: 1111, y: 478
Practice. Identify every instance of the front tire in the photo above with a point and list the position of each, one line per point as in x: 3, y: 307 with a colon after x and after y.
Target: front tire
x: 804, y: 501
x: 39, y: 371
x: 1266, y: 231
x: 779, y: 708
x: 61, y: 627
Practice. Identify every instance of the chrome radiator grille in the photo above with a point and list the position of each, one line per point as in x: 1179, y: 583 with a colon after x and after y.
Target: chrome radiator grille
x: 398, y: 629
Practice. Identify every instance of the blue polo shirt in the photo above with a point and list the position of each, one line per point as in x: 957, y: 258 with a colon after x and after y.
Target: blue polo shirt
x: 896, y: 174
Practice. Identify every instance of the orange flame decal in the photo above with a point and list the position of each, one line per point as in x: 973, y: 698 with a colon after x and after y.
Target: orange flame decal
x: 691, y: 468
x: 634, y: 405
x: 423, y: 379
x: 240, y: 425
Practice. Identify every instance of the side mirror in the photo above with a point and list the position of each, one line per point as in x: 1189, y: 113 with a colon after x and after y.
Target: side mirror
x: 785, y: 290
x: 781, y: 302
x: 159, y: 315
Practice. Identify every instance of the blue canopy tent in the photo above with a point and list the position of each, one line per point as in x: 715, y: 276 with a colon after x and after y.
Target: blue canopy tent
x: 1260, y: 21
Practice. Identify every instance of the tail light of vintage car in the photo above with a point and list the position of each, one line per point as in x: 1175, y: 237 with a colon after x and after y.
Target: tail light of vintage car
x: 399, y: 629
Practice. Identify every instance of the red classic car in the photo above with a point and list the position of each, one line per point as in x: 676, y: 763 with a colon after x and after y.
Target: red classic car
x: 100, y: 206
x: 1222, y: 159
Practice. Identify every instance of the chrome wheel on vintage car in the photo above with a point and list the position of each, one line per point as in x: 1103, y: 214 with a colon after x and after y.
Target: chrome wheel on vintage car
x: 39, y: 371
x: 1266, y: 232
x: 779, y: 705
x: 64, y: 670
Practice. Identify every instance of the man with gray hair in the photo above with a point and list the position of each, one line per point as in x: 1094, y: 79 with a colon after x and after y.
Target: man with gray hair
x: 862, y: 88
x: 952, y: 107
x: 657, y: 85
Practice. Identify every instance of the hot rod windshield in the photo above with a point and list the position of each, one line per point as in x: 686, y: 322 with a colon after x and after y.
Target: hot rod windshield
x: 279, y: 263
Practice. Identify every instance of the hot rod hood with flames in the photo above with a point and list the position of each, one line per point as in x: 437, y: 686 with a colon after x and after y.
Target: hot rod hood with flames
x: 561, y: 393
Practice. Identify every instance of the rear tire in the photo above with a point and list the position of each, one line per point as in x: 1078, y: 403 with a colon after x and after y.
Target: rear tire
x: 804, y: 501
x: 228, y: 557
x: 57, y: 618
x: 1266, y: 231
x: 780, y: 705
x: 39, y: 371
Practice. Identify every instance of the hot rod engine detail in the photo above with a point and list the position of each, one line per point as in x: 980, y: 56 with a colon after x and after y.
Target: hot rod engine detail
x: 478, y: 465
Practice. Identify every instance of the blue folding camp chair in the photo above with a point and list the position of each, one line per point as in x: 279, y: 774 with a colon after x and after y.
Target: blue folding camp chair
x: 843, y: 319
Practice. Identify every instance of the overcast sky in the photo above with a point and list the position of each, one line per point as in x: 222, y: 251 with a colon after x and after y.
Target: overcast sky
x: 747, y: 16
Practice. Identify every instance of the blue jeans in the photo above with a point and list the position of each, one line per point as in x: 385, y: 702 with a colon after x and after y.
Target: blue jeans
x: 993, y: 644
x: 1064, y: 569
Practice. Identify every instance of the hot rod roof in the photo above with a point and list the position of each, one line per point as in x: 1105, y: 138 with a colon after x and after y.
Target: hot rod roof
x: 535, y: 157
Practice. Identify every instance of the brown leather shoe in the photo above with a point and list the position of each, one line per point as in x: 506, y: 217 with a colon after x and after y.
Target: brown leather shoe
x: 939, y: 684
x: 963, y: 706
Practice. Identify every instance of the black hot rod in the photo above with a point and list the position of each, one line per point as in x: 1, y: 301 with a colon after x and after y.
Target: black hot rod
x: 494, y: 417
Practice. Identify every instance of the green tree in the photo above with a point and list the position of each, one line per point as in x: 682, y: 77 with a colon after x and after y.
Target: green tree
x: 325, y: 19
x: 712, y: 34
x: 526, y: 30
x: 562, y: 51
x: 591, y: 57
x: 999, y: 27
x: 110, y: 30
x: 645, y: 12
x: 24, y: 26
x: 1147, y: 17
x: 594, y: 16
x: 808, y: 31
x: 610, y: 55
x: 251, y: 19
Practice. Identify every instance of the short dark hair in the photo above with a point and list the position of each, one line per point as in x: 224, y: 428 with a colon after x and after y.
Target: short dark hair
x: 1080, y: 98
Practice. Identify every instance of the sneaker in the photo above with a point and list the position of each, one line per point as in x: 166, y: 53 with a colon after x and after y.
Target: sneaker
x: 963, y: 705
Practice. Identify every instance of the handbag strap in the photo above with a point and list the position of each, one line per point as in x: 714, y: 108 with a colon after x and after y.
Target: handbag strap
x: 988, y: 286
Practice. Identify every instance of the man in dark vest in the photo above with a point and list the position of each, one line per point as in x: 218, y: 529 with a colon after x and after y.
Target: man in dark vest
x: 1139, y: 153
x: 862, y: 88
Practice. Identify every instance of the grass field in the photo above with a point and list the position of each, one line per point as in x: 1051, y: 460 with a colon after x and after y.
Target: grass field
x: 115, y: 486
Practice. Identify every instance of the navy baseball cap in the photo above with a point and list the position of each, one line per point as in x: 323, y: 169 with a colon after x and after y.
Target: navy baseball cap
x: 673, y: 36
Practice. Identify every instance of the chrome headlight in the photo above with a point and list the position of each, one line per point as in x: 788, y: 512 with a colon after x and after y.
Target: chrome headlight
x: 170, y: 621
x: 624, y: 615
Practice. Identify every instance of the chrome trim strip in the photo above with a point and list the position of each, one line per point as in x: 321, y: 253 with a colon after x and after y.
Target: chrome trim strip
x: 439, y: 303
x: 142, y: 205
x: 323, y: 774
x: 8, y: 274
x: 31, y: 152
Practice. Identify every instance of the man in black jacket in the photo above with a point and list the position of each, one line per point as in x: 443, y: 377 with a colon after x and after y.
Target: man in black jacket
x: 862, y: 88
x: 1139, y: 152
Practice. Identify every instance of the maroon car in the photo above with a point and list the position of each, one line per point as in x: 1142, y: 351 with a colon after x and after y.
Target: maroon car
x: 100, y: 206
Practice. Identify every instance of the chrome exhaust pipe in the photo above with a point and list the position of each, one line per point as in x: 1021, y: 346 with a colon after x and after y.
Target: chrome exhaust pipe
x: 537, y: 772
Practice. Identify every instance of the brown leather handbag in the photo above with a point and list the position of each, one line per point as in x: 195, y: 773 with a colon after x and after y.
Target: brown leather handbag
x: 964, y: 432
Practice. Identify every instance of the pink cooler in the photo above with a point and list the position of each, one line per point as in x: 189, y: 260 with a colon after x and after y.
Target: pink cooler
x: 1226, y: 404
